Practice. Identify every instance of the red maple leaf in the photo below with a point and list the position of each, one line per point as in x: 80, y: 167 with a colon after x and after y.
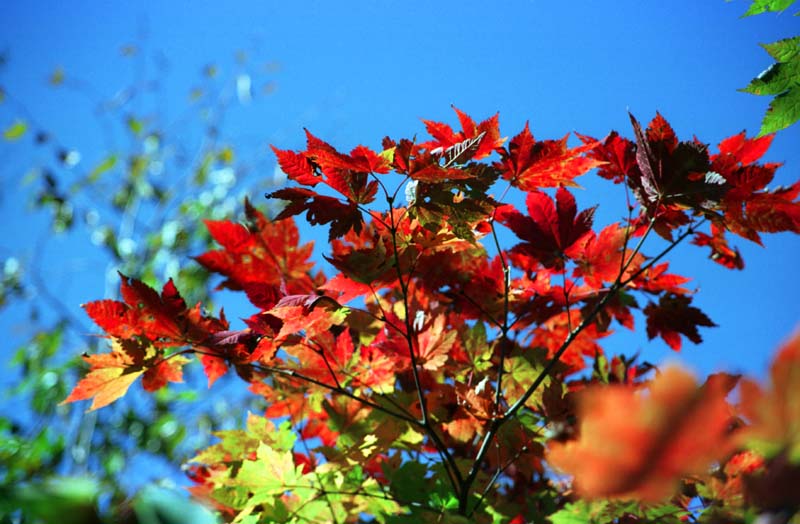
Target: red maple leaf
x: 297, y: 167
x: 616, y: 154
x: 265, y: 251
x: 673, y: 317
x: 342, y: 217
x: 671, y: 177
x: 444, y: 137
x: 656, y: 280
x: 551, y: 228
x: 345, y: 289
x: 738, y: 150
x: 721, y: 252
x: 601, y: 258
x: 163, y: 319
x: 552, y: 333
x: 531, y: 165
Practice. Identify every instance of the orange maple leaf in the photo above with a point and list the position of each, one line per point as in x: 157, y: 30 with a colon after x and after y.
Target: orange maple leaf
x: 637, y: 445
x: 774, y: 414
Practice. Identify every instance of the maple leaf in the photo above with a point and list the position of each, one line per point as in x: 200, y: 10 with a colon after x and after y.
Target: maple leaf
x: 460, y: 205
x: 773, y: 211
x: 774, y: 425
x: 379, y: 369
x: 297, y: 318
x: 721, y: 252
x: 672, y: 317
x: 600, y: 261
x: 264, y: 251
x: 434, y: 344
x: 660, y: 175
x: 348, y: 175
x: 747, y: 208
x: 738, y: 150
x: 551, y: 228
x: 111, y: 374
x: 114, y: 317
x: 366, y: 257
x: 167, y: 370
x: 345, y: 289
x: 297, y: 167
x: 672, y: 176
x: 360, y: 160
x: 552, y: 333
x: 158, y: 315
x: 531, y: 165
x: 320, y: 209
x: 214, y: 367
x: 616, y: 156
x: 477, y: 289
x: 656, y: 280
x: 780, y: 81
x: 445, y: 138
x: 163, y: 319
x: 634, y: 445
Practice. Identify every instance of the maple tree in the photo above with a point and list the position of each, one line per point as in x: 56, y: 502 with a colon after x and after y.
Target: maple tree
x: 436, y: 374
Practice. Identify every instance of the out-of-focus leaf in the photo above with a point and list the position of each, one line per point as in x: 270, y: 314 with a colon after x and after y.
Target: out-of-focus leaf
x: 637, y: 446
x: 106, y: 164
x: 57, y: 77
x: 135, y: 125
x: 160, y: 506
x: 773, y: 412
x: 63, y: 500
x: 15, y: 130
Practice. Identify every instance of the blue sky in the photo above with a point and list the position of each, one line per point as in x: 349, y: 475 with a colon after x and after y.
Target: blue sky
x: 355, y: 72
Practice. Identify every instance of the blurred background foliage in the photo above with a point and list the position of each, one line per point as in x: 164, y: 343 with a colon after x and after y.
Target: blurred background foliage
x: 133, y: 206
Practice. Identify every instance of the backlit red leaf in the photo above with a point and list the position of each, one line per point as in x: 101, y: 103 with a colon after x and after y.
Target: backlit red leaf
x: 444, y: 137
x: 673, y: 317
x: 552, y: 334
x: 721, y: 252
x: 271, y: 254
x: 116, y: 318
x: 600, y: 261
x: 531, y: 165
x: 617, y: 154
x: 550, y: 229
x: 297, y: 167
x: 320, y: 209
x: 743, y: 150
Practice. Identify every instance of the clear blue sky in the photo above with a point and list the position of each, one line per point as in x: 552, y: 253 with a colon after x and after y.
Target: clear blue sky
x: 353, y: 72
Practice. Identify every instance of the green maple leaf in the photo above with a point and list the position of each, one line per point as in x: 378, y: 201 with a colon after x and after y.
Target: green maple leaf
x: 764, y: 6
x: 781, y: 80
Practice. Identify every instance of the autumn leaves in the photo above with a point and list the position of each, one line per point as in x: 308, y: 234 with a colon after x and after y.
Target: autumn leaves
x: 431, y: 339
x: 639, y: 442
